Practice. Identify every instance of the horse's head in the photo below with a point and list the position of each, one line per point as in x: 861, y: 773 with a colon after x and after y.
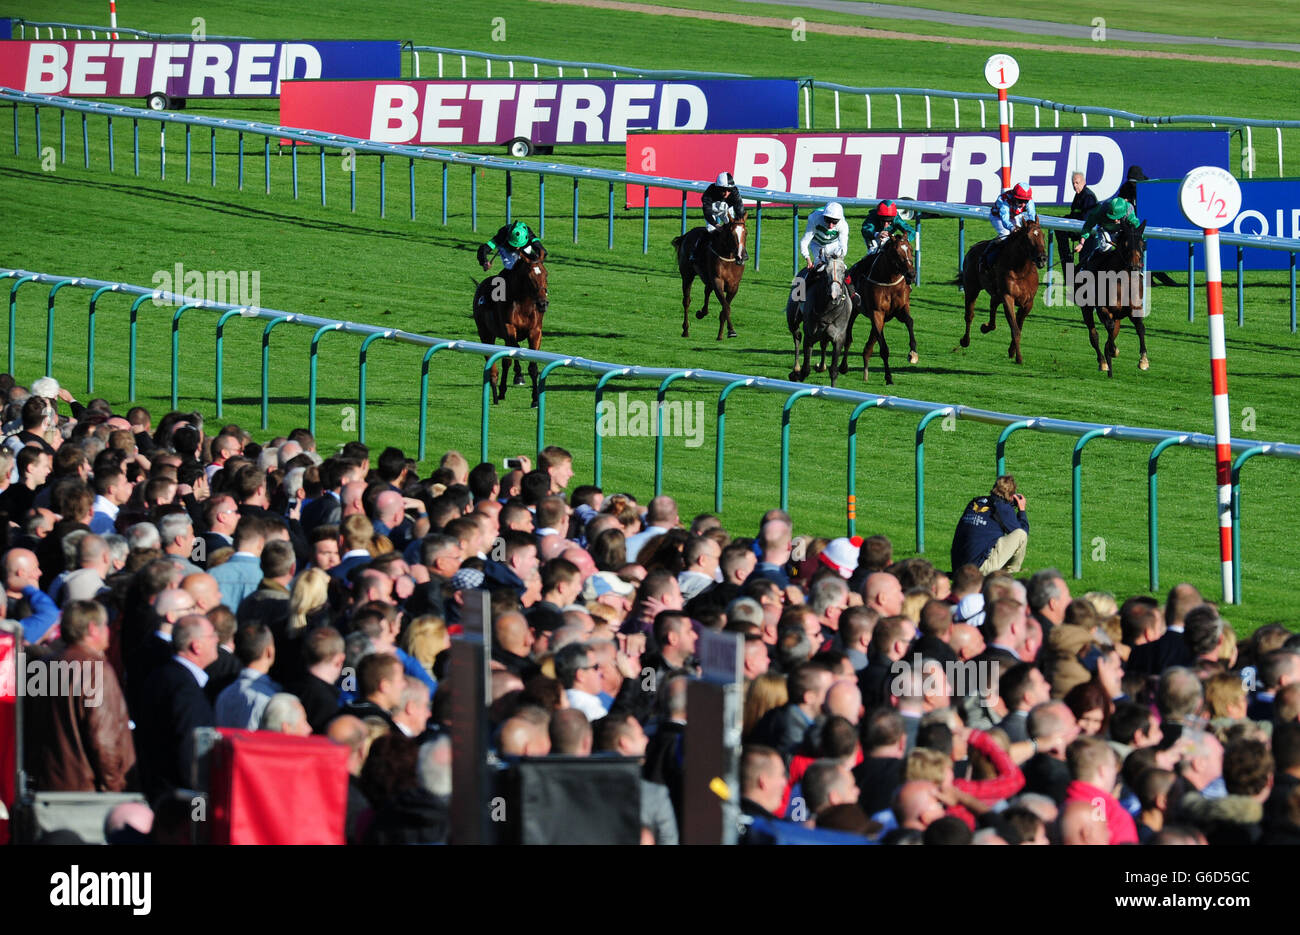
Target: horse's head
x: 901, y: 250
x: 1037, y: 240
x: 831, y: 285
x: 536, y: 276
x: 738, y: 233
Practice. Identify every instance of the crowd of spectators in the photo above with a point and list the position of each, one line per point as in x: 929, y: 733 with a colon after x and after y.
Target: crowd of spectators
x: 220, y: 582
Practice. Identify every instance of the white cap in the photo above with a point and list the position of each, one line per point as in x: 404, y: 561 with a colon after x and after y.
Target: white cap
x: 725, y: 179
x: 970, y: 609
x: 833, y: 211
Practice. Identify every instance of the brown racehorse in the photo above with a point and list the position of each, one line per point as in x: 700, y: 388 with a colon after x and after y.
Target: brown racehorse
x: 717, y: 258
x: 1012, y: 283
x: 1117, y: 292
x: 510, y: 306
x: 884, y: 281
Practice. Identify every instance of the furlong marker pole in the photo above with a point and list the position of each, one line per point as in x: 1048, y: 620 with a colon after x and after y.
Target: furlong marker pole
x: 1002, y: 71
x: 1004, y: 131
x: 1222, y: 424
x: 112, y: 16
x: 1210, y: 198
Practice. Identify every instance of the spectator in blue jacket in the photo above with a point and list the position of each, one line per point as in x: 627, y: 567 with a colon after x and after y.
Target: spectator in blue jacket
x: 993, y: 532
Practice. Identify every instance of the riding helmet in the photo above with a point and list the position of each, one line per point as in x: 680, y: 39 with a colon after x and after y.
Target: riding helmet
x: 1116, y: 208
x: 1020, y: 193
x: 833, y: 212
x: 725, y: 180
x: 518, y: 234
x: 887, y: 209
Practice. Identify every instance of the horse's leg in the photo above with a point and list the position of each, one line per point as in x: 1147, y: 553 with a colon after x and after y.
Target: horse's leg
x: 872, y: 338
x: 794, y: 333
x: 486, y: 336
x: 835, y: 360
x: 970, y: 311
x: 848, y: 336
x: 1013, y: 349
x: 1090, y: 322
x: 725, y: 296
x: 879, y: 326
x: 994, y: 302
x: 807, y: 354
x: 1140, y: 326
x: 1111, y: 325
x: 1021, y: 315
x: 688, y: 279
x: 707, y: 281
x: 905, y: 316
x: 511, y: 340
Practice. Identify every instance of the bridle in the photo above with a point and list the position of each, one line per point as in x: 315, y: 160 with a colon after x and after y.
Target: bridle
x: 730, y: 228
x: 874, y: 262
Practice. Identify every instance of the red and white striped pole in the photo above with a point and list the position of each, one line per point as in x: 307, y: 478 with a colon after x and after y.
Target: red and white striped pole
x: 1001, y: 71
x: 1004, y: 133
x: 112, y: 16
x: 1210, y: 198
x: 1222, y: 421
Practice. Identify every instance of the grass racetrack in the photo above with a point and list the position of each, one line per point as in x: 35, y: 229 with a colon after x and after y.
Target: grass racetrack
x: 623, y: 306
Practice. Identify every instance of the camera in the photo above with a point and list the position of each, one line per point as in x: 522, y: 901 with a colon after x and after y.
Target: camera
x: 512, y: 464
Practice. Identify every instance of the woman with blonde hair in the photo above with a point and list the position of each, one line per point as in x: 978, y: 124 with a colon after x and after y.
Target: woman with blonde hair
x: 913, y: 601
x: 425, y: 639
x: 309, y: 600
x: 766, y: 692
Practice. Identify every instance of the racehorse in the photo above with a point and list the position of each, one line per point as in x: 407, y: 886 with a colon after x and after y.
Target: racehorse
x: 1117, y: 292
x: 884, y: 281
x: 825, y: 318
x: 1012, y: 282
x: 510, y: 306
x: 717, y: 258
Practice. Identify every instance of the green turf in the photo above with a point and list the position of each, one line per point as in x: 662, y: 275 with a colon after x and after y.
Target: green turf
x: 624, y: 306
x: 1200, y: 18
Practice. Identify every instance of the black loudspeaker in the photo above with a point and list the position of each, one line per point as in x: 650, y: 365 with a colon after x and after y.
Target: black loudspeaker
x: 573, y: 800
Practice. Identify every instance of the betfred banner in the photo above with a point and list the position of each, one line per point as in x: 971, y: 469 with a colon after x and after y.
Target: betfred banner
x: 463, y: 113
x: 1269, y: 208
x: 964, y: 168
x: 133, y: 68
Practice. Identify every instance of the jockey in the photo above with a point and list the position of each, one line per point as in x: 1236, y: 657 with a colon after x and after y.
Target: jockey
x: 1014, y: 207
x: 721, y: 202
x: 508, y: 243
x: 881, y: 223
x: 827, y: 234
x: 825, y: 238
x: 1101, y: 222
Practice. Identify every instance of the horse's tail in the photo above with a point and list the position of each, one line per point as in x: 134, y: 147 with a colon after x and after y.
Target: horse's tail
x: 677, y: 242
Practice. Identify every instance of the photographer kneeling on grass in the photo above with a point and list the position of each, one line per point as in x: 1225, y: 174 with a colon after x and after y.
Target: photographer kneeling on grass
x: 993, y: 532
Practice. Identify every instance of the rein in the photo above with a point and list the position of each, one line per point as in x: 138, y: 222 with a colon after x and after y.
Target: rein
x: 876, y: 282
x: 725, y: 259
